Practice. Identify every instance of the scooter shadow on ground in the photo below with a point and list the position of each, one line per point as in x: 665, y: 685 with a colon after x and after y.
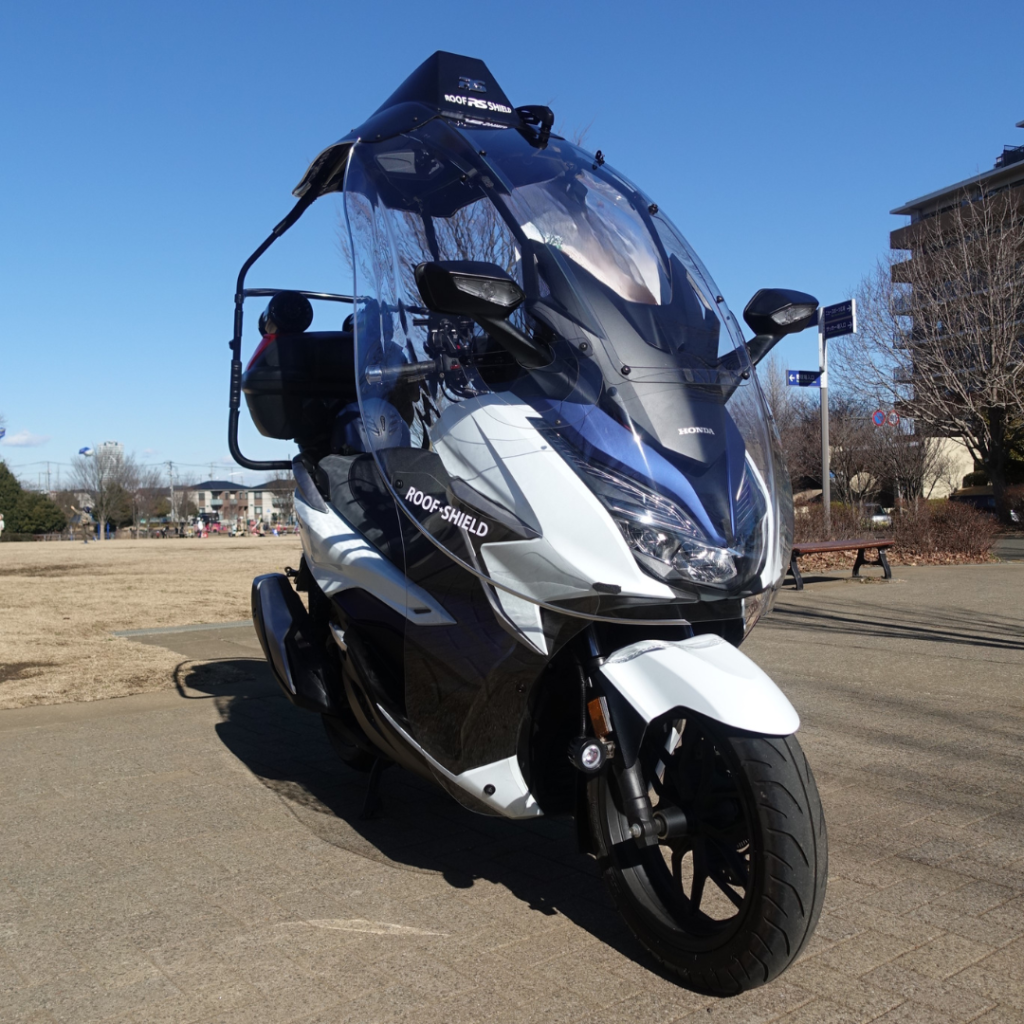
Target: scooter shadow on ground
x: 416, y: 826
x: 992, y: 630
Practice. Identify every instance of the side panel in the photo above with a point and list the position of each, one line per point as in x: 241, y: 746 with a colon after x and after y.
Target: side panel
x: 494, y: 445
x: 496, y: 788
x: 342, y: 559
x: 465, y: 667
x: 703, y: 674
x: 466, y: 685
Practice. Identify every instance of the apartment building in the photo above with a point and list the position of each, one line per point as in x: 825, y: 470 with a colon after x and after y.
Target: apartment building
x: 235, y: 507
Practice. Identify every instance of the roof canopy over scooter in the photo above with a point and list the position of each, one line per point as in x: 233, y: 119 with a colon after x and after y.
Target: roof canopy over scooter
x: 601, y: 443
x: 448, y: 85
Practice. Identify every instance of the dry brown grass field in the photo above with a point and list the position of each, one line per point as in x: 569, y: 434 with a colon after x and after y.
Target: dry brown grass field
x: 60, y: 603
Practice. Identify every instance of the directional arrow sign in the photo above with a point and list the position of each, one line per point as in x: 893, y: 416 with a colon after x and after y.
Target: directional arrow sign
x: 803, y: 378
x: 839, y: 319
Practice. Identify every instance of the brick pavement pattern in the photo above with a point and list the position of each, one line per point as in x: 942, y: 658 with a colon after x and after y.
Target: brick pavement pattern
x: 198, y: 856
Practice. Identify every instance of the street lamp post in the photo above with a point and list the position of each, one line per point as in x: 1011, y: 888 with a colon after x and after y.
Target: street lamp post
x: 100, y: 524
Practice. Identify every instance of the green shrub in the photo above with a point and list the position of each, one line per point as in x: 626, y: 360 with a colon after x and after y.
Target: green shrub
x: 26, y: 511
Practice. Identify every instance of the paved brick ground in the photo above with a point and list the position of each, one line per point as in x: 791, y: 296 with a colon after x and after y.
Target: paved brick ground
x: 198, y: 856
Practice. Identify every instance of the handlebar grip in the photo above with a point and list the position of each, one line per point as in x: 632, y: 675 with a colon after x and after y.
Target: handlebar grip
x: 391, y: 375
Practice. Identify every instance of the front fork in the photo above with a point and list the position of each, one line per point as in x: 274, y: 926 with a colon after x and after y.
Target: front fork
x: 614, y: 716
x: 636, y: 804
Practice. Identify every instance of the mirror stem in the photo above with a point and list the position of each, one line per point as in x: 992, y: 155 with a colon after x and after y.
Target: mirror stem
x: 525, y: 351
x: 760, y: 345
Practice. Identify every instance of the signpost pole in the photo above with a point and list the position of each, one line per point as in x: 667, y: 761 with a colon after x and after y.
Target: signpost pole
x: 836, y: 321
x: 826, y: 475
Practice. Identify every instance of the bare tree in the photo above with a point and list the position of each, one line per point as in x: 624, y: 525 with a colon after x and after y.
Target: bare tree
x: 231, y: 508
x: 784, y: 401
x: 183, y: 508
x: 111, y: 481
x: 577, y: 134
x: 940, y: 333
x: 147, y: 494
x: 797, y: 419
x: 898, y: 460
x: 852, y: 454
x: 282, y: 486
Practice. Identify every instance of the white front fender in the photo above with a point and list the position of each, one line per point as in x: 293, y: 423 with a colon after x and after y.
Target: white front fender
x: 705, y: 674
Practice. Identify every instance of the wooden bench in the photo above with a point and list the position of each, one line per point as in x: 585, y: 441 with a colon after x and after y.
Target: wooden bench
x: 822, y: 546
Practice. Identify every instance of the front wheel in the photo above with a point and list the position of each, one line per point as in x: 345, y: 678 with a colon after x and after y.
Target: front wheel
x: 729, y: 899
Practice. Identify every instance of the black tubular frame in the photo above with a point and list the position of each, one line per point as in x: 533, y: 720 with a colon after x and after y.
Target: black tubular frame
x: 241, y: 294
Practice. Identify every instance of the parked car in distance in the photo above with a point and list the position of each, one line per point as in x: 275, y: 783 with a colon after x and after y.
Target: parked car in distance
x: 981, y: 497
x: 877, y: 516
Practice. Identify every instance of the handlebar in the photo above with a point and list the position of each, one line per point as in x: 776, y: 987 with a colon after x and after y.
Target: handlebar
x: 405, y: 373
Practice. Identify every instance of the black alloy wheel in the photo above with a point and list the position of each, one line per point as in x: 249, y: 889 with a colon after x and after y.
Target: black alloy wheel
x: 728, y: 902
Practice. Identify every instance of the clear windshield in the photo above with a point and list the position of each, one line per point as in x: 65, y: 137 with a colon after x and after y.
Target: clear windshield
x: 591, y: 222
x: 637, y: 466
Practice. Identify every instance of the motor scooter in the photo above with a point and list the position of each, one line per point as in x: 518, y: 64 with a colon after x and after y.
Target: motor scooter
x: 541, y: 502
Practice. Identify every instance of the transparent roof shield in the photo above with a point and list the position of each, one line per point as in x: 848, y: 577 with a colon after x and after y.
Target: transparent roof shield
x: 598, y: 229
x: 594, y: 485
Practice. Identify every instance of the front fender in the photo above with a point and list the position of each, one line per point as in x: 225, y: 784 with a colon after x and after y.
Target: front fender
x: 705, y: 674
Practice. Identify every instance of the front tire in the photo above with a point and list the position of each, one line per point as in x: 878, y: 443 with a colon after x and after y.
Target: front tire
x: 730, y: 903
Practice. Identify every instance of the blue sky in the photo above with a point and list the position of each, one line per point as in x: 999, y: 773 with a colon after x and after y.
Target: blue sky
x: 148, y: 148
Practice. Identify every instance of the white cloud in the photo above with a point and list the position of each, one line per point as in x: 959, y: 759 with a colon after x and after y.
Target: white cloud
x: 25, y: 439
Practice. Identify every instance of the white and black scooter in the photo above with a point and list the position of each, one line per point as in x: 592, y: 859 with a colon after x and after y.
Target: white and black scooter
x: 541, y: 502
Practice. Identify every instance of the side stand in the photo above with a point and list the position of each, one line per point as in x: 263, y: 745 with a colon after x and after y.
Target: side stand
x: 372, y: 802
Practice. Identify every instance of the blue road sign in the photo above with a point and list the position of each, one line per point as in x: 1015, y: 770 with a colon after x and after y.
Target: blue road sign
x: 839, y: 319
x: 803, y: 378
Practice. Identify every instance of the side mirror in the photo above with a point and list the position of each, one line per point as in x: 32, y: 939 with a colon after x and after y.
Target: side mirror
x: 467, y: 288
x: 484, y: 293
x: 775, y: 312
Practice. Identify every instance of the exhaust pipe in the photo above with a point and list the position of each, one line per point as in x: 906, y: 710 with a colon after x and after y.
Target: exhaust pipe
x: 284, y: 630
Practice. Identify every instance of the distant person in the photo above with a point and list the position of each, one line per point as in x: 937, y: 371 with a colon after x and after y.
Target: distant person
x: 1, y: 526
x: 82, y: 520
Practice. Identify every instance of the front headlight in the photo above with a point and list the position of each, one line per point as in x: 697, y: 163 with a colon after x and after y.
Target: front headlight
x: 698, y: 562
x: 664, y: 538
